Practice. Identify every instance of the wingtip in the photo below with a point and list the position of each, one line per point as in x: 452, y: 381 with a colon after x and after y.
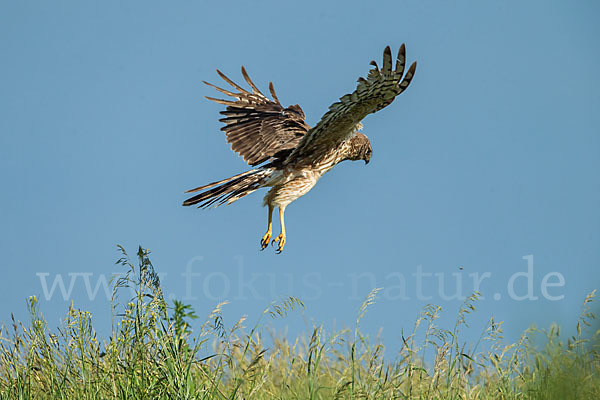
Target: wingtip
x: 402, y: 51
x: 387, y: 60
x: 245, y: 74
x: 272, y: 90
x: 255, y: 89
x: 222, y: 75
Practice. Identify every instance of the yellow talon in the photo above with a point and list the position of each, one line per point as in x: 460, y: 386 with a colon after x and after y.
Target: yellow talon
x: 264, y: 242
x: 281, y: 240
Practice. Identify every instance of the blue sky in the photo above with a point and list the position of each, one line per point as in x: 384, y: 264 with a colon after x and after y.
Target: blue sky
x: 490, y: 156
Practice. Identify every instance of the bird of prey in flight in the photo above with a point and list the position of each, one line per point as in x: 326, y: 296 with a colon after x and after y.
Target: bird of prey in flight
x: 288, y: 155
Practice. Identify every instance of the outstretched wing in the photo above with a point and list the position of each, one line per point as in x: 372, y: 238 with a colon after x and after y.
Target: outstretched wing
x: 372, y: 94
x: 256, y: 127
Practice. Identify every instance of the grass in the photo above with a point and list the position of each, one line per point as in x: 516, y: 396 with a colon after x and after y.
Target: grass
x: 153, y: 353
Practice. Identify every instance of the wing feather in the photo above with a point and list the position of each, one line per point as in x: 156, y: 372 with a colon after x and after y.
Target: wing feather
x: 372, y: 94
x: 252, y: 85
x: 273, y: 94
x: 256, y: 127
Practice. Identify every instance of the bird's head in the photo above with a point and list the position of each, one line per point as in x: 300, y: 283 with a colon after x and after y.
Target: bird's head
x: 360, y: 148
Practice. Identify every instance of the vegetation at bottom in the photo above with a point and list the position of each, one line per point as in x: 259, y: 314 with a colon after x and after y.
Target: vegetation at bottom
x: 153, y: 353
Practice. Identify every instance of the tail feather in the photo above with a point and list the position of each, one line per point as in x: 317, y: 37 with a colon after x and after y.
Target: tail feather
x: 217, y: 182
x: 228, y: 190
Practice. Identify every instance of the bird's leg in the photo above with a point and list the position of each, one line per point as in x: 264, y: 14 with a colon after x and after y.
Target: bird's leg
x: 281, y: 238
x: 264, y: 242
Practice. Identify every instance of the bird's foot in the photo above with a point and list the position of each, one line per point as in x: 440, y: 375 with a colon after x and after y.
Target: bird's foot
x: 281, y: 240
x: 264, y: 242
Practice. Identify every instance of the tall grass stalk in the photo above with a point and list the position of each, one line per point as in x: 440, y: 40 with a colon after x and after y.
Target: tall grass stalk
x: 152, y: 352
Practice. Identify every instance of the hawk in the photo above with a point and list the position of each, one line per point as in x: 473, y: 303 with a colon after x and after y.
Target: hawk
x: 288, y: 155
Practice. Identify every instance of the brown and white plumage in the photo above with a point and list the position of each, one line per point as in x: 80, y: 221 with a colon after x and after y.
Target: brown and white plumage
x: 256, y: 127
x: 293, y: 155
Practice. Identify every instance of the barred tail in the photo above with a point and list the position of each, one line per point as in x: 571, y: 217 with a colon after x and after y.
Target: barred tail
x: 228, y: 190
